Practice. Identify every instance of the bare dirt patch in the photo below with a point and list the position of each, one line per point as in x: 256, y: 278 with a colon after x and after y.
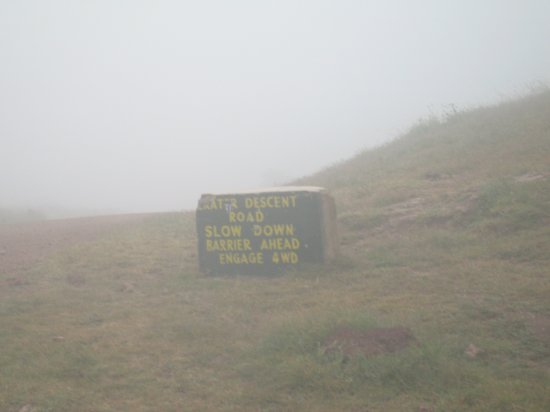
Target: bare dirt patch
x: 25, y: 244
x: 530, y: 177
x: 350, y: 342
x: 406, y: 211
x: 540, y: 325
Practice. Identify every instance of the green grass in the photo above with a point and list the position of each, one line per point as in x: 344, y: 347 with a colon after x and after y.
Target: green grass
x: 441, y: 233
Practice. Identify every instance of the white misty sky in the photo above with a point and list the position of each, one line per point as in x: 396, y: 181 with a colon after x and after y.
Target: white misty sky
x: 143, y: 105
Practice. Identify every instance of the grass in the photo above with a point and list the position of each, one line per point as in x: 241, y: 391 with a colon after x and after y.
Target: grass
x: 441, y: 232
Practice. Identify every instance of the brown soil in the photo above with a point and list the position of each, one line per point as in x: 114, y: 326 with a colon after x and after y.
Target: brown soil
x: 350, y: 342
x: 23, y: 245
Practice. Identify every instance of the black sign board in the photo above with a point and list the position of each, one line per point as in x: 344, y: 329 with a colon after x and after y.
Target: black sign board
x: 263, y: 232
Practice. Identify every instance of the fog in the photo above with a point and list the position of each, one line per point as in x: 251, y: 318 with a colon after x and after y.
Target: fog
x: 139, y: 106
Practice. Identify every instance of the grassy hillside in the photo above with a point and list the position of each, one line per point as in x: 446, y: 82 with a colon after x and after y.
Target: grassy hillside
x: 445, y: 233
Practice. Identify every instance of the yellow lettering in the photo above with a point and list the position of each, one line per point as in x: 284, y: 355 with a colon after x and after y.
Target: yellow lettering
x: 241, y: 258
x: 218, y: 203
x: 228, y: 245
x: 285, y: 257
x: 293, y: 200
x: 249, y: 217
x: 273, y: 230
x: 210, y: 245
x: 289, y: 257
x: 223, y: 231
x: 280, y: 243
x: 271, y: 201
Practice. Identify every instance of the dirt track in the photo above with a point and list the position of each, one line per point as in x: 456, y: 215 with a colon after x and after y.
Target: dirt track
x: 24, y: 244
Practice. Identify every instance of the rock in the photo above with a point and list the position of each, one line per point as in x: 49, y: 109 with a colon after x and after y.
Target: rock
x: 472, y: 351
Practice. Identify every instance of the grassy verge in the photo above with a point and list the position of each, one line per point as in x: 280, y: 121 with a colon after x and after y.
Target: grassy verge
x: 127, y: 323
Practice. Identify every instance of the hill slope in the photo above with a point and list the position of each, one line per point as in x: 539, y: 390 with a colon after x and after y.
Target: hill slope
x: 436, y: 159
x: 445, y: 236
x: 482, y: 174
